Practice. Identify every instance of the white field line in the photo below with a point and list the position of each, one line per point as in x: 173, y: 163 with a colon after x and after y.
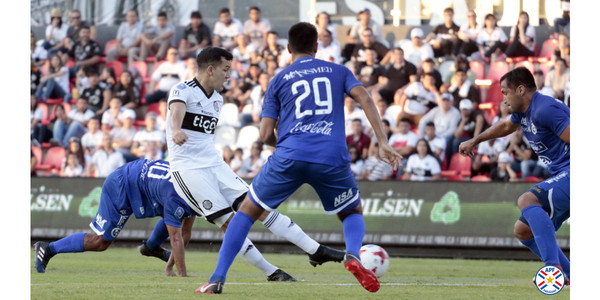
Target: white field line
x: 306, y: 283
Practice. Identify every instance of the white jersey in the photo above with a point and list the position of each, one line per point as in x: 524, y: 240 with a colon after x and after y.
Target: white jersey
x: 199, y: 123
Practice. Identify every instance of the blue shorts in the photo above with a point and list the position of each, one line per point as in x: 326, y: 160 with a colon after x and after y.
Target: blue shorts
x: 114, y: 209
x: 280, y: 177
x: 555, y: 196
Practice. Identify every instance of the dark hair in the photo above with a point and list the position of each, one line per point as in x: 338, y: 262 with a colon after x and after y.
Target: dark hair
x: 429, y: 60
x: 212, y: 55
x: 84, y: 26
x: 491, y: 16
x: 517, y: 26
x: 430, y: 124
x: 302, y: 38
x: 135, y: 11
x: 429, y: 152
x: 51, y: 68
x: 386, y: 122
x: 448, y: 9
x: 254, y: 8
x: 407, y: 120
x: 196, y: 14
x: 519, y: 76
x: 273, y: 32
x: 538, y: 72
x: 399, y: 48
x: 91, y: 71
x: 162, y: 14
x: 460, y: 70
x: 561, y: 60
x: 357, y: 120
x: 224, y: 10
x: 323, y: 12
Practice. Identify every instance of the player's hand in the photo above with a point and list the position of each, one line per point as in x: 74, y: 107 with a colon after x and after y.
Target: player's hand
x: 466, y: 148
x: 180, y: 138
x: 390, y: 156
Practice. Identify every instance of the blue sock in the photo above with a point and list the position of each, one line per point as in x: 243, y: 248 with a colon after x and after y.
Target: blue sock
x: 159, y: 235
x: 530, y: 243
x: 69, y: 244
x: 354, y: 232
x: 543, y: 232
x: 236, y: 233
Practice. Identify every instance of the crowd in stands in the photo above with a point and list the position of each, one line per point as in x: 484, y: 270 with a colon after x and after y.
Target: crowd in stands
x: 103, y: 108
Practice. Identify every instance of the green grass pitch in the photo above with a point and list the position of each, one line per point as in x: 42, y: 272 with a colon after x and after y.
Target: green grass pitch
x: 122, y: 273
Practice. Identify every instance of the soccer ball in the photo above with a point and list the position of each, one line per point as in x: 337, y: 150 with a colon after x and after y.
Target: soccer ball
x: 374, y: 258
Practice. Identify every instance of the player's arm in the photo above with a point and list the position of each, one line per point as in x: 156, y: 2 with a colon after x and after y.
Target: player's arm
x: 386, y: 152
x: 566, y: 134
x: 177, y: 114
x: 267, y: 131
x: 499, y: 129
x: 178, y: 252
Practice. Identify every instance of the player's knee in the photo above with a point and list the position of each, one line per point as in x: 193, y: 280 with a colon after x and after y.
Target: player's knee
x: 355, y: 210
x: 527, y: 199
x: 522, y: 231
x: 97, y: 243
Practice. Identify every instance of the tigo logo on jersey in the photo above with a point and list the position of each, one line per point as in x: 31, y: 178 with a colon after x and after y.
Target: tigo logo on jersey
x: 201, y: 123
x: 550, y: 280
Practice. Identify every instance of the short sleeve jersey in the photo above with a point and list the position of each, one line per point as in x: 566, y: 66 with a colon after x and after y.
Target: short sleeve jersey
x: 543, y: 122
x: 199, y: 123
x: 308, y: 99
x: 422, y: 169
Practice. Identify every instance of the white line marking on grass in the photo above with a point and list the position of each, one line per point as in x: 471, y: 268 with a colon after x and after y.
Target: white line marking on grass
x: 306, y: 283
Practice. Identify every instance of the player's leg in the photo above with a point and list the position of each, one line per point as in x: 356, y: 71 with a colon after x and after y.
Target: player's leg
x: 541, y: 227
x: 151, y: 247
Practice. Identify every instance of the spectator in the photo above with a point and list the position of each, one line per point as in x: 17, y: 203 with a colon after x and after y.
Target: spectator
x: 417, y: 51
x: 463, y: 88
x: 242, y: 92
x: 404, y: 141
x: 126, y: 90
x: 196, y: 37
x: 443, y: 38
x: 257, y: 28
x: 356, y: 162
x: 365, y: 21
x: 192, y: 68
x: 328, y: 49
x: 525, y: 159
x: 563, y: 49
x: 72, y: 167
x: 503, y: 172
x: 108, y: 80
x: 226, y: 29
x: 56, y: 32
x: 375, y: 169
x: 253, y: 110
x: 445, y: 117
x: 348, y: 49
x: 94, y: 94
x: 166, y: 76
x: 77, y: 24
x: 468, y: 34
x: 538, y: 76
x: 39, y: 132
x: 115, y: 114
x: 74, y: 125
x: 522, y: 38
x: 503, y: 115
x: 75, y: 147
x: 128, y: 38
x: 244, y: 54
x: 152, y: 152
x: 436, y: 143
x: 359, y: 139
x: 149, y: 135
x: 36, y: 75
x: 385, y: 114
x: 105, y: 160
x: 486, y: 159
x: 60, y: 118
x: 491, y: 39
x: 418, y: 98
x: 237, y: 162
x: 92, y: 140
x: 86, y: 52
x: 161, y: 117
x: 428, y: 66
x: 471, y: 124
x: 397, y: 76
x: 351, y: 112
x: 123, y: 138
x: 422, y: 165
x: 227, y: 154
x: 254, y: 162
x: 38, y: 53
x: 273, y: 48
x: 156, y: 39
x: 369, y: 73
x: 558, y: 78
x: 461, y: 62
x: 563, y: 20
x: 323, y: 22
x: 369, y: 41
x: 34, y: 162
x: 55, y: 84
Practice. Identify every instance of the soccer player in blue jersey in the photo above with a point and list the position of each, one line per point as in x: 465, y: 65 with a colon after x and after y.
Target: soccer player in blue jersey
x: 546, y: 124
x: 307, y: 101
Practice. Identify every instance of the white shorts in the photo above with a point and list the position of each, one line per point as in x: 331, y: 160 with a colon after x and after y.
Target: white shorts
x: 210, y: 192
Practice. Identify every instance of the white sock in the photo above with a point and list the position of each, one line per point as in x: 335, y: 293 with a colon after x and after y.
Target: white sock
x: 282, y: 226
x: 253, y: 257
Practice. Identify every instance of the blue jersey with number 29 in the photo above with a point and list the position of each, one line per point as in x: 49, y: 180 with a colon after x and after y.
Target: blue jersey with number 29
x: 308, y: 98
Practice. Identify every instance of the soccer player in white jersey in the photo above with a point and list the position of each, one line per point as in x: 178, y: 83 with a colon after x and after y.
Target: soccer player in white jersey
x: 202, y: 178
x: 307, y: 99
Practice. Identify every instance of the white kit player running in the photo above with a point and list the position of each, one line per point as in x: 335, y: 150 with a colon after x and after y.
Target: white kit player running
x: 203, y: 179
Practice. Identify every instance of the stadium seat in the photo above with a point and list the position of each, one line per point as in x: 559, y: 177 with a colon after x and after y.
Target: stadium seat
x: 518, y: 59
x: 45, y: 115
x: 531, y: 179
x: 37, y: 152
x: 527, y: 64
x: 480, y: 178
x: 54, y: 159
x: 142, y: 68
x: 229, y: 115
x: 247, y: 135
x: 153, y: 108
x: 494, y: 95
x: 117, y: 66
x: 497, y: 70
x: 54, y: 101
x: 546, y: 52
x: 478, y: 69
x: 455, y: 178
x: 225, y: 135
x: 460, y: 164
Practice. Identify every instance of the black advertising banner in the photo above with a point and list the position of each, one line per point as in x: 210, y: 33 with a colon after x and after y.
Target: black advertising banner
x: 476, y: 214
